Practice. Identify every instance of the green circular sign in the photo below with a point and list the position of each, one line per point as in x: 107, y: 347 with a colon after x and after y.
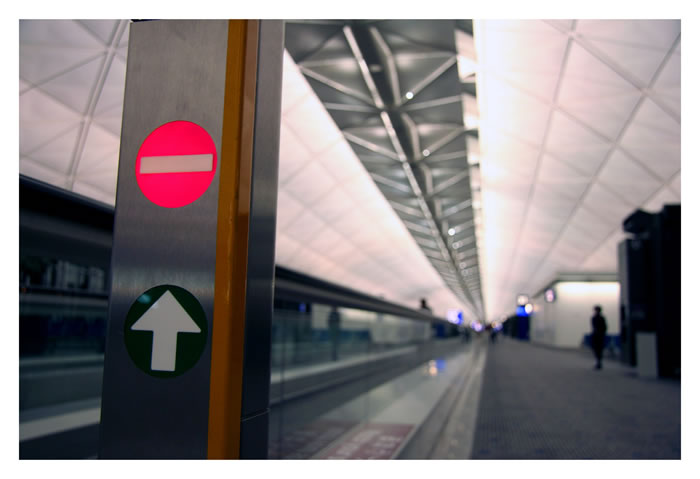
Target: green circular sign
x: 165, y: 331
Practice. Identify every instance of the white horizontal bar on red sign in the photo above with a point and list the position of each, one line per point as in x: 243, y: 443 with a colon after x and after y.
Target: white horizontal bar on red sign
x: 176, y: 163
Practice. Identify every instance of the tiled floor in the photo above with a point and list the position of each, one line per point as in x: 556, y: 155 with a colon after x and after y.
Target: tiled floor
x: 542, y: 403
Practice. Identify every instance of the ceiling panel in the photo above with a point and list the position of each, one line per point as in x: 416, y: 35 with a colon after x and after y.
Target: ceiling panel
x: 606, y: 205
x: 56, y: 154
x: 628, y: 179
x: 654, y: 139
x: 652, y: 34
x: 74, y: 87
x: 675, y: 184
x: 297, y: 155
x: 33, y: 169
x: 55, y: 118
x: 312, y: 124
x: 668, y: 84
x: 510, y: 110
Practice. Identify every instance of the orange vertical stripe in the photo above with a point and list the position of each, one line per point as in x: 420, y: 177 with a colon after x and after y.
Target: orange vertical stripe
x: 235, y: 173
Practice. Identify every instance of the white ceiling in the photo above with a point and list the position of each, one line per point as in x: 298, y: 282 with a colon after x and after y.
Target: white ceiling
x: 579, y: 125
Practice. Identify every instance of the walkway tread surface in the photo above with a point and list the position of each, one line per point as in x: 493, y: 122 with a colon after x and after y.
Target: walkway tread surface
x: 542, y: 403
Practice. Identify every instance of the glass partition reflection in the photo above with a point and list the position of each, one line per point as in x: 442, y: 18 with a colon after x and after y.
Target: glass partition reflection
x: 325, y: 359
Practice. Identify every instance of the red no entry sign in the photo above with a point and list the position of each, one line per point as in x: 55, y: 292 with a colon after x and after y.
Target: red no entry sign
x: 176, y: 164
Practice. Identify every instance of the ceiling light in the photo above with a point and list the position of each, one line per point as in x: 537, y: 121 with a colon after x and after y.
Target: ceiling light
x: 409, y: 95
x: 451, y: 231
x: 426, y: 152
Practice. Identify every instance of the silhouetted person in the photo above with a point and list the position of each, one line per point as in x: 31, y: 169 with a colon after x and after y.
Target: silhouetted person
x: 424, y: 306
x: 600, y: 327
x: 334, y: 331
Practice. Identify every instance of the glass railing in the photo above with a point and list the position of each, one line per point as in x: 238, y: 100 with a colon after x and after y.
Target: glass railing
x: 325, y: 361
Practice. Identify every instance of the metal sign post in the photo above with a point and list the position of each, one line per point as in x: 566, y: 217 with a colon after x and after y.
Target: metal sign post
x: 187, y: 359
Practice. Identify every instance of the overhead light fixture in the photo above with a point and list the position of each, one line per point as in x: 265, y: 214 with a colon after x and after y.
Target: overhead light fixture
x: 409, y: 95
x: 451, y: 231
x: 426, y: 152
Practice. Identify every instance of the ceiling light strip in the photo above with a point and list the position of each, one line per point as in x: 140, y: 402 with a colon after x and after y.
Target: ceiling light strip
x: 438, y: 239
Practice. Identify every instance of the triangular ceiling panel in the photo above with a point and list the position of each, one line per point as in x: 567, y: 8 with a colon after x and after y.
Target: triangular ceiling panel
x: 628, y: 179
x: 654, y: 34
x: 75, y: 87
x: 57, y: 33
x: 297, y: 155
x: 606, y: 204
x: 566, y: 133
x: 668, y: 84
x: 592, y: 222
x: 38, y: 108
x: 113, y: 88
x: 640, y: 61
x: 339, y: 160
x: 583, y: 64
x: 103, y: 180
x: 588, y: 108
x: 312, y: 125
x: 100, y: 144
x: 538, y: 85
x: 307, y: 193
x: 510, y: 110
x: 288, y: 210
x: 57, y: 153
x: 571, y: 190
x: 654, y: 139
x: 47, y: 62
x: 33, y: 169
x: 102, y: 193
x: 103, y: 29
x: 554, y: 170
x: 675, y: 185
x: 522, y: 46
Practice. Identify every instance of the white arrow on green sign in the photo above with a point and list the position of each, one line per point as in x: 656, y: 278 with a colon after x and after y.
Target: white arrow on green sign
x: 166, y: 331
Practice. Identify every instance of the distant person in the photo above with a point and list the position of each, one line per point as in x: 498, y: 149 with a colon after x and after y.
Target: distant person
x: 424, y: 306
x: 334, y: 331
x: 600, y: 327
